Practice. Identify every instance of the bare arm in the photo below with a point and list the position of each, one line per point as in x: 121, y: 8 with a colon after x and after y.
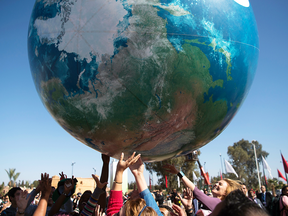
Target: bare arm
x: 46, y: 189
x: 172, y: 169
x: 104, y: 178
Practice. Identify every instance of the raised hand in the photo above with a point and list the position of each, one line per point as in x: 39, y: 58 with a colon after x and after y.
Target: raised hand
x: 98, y: 183
x: 137, y: 168
x: 62, y: 176
x: 187, y: 198
x: 170, y: 168
x: 45, y: 185
x: 69, y: 185
x: 122, y: 165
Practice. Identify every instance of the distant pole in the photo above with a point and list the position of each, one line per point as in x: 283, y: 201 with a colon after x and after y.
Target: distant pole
x: 221, y: 165
x: 264, y: 173
x: 253, y: 143
x: 94, y: 171
x: 204, y: 167
x: 72, y: 167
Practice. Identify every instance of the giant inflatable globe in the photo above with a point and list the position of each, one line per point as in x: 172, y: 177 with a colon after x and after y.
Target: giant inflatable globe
x: 159, y: 77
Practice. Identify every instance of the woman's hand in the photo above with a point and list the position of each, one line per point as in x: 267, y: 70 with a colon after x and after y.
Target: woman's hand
x: 187, y: 198
x: 98, y: 183
x: 122, y: 165
x: 171, y: 169
x: 137, y: 168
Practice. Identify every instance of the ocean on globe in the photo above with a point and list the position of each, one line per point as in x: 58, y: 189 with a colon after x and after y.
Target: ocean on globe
x: 159, y: 77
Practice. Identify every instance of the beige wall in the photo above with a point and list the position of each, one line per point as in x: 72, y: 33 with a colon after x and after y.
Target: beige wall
x: 83, y: 184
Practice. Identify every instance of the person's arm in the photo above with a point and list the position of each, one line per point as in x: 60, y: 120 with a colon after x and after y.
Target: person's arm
x: 115, y: 201
x: 46, y: 190
x: 104, y: 178
x: 89, y: 208
x: 210, y: 202
x: 172, y: 169
x: 57, y: 205
x: 137, y: 170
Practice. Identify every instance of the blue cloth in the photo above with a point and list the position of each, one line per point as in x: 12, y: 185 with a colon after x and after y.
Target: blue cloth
x: 150, y: 201
x: 195, y: 203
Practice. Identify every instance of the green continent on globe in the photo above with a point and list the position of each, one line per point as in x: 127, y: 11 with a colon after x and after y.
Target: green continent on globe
x: 148, y: 76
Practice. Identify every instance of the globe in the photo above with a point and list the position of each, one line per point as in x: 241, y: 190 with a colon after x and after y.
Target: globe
x: 159, y: 77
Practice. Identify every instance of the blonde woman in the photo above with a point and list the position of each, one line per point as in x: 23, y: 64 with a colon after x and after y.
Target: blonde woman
x: 220, y: 190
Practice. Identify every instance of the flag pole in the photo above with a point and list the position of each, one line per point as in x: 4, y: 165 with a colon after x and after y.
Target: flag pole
x: 284, y: 166
x: 264, y: 173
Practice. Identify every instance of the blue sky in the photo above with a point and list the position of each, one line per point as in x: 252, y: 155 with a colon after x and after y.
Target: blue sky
x: 32, y: 142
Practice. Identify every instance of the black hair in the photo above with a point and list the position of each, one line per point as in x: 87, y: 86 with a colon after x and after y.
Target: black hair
x: 237, y: 204
x: 283, y: 188
x: 12, y: 191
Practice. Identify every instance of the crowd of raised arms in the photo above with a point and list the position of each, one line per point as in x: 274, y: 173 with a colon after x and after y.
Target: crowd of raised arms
x: 228, y: 197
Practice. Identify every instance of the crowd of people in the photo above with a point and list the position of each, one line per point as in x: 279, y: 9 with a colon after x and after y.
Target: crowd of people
x: 227, y: 197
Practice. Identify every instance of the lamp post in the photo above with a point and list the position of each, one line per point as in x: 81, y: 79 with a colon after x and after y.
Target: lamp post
x: 253, y: 143
x: 204, y: 167
x: 72, y: 167
x: 221, y: 164
x: 94, y: 171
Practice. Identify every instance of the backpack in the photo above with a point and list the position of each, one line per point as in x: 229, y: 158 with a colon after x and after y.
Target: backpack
x: 275, y: 206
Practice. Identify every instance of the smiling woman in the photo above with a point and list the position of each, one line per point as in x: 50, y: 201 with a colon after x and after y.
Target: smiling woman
x: 220, y: 190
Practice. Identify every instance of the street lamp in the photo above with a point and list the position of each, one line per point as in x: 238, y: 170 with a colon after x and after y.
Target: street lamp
x: 94, y: 171
x: 72, y: 167
x: 221, y: 164
x: 253, y: 143
x: 204, y: 167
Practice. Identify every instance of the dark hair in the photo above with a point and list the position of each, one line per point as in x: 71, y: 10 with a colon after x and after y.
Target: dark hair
x: 168, y: 208
x: 12, y: 192
x: 237, y: 204
x: 283, y: 188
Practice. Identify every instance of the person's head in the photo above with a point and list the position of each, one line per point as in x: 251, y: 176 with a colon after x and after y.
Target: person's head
x: 136, y: 207
x: 166, y: 210
x: 205, y: 191
x: 244, y: 189
x: 263, y: 188
x: 84, y: 199
x: 237, y: 204
x: 5, y: 198
x: 50, y: 201
x: 285, y: 190
x: 174, y: 190
x: 13, y: 194
x: 251, y: 193
x: 223, y: 187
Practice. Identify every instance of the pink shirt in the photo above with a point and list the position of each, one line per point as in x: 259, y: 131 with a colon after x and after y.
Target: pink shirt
x: 285, y: 203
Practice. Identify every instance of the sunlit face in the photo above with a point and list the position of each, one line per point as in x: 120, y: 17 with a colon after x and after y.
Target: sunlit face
x: 219, y: 189
x: 244, y: 189
x: 263, y: 189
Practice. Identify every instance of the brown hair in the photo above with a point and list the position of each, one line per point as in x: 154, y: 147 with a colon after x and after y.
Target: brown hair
x: 134, y: 206
x: 232, y: 185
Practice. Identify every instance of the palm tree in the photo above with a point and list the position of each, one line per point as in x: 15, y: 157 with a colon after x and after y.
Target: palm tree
x: 12, y: 175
